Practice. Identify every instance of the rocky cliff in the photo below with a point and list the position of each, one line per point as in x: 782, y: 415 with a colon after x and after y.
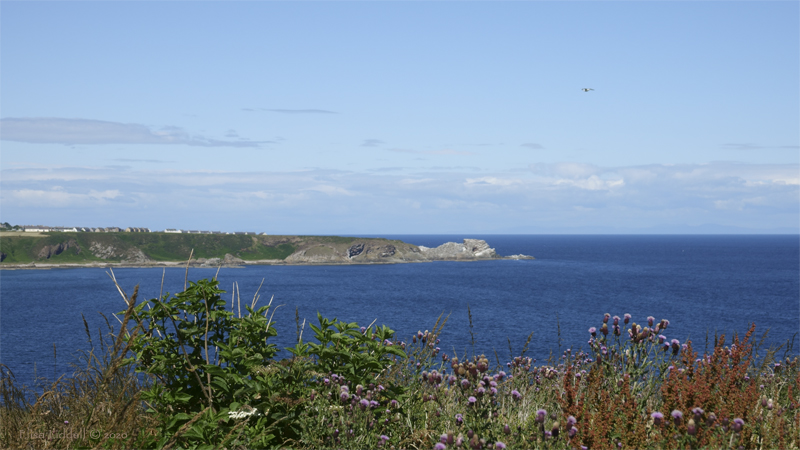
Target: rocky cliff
x: 213, y: 251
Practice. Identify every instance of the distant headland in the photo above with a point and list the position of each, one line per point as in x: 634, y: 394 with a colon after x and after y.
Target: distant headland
x: 39, y: 249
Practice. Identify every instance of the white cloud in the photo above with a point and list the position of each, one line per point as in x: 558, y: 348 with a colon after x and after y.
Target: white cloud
x: 564, y: 194
x: 51, y: 130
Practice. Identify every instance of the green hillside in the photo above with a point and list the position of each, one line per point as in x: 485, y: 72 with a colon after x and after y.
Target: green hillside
x: 17, y: 248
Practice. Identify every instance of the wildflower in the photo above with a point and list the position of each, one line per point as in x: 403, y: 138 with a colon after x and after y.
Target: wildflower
x: 493, y: 392
x: 697, y: 412
x: 516, y: 395
x: 439, y: 446
x: 593, y: 330
x: 650, y: 320
x: 711, y: 419
x: 691, y: 428
x: 676, y: 345
x: 472, y: 400
x: 506, y: 429
x: 661, y: 338
x: 606, y: 317
x: 571, y: 421
x: 616, y: 330
x: 373, y: 404
x: 664, y: 323
x: 666, y: 346
x: 738, y: 424
x: 657, y: 418
x: 556, y: 429
x: 359, y: 389
x: 499, y: 445
x: 572, y: 432
x: 387, y: 342
x: 763, y: 401
x: 604, y: 330
x: 616, y: 320
x: 676, y: 417
x: 500, y: 376
x: 465, y: 383
x: 363, y: 404
x: 66, y: 422
x: 443, y: 438
x: 326, y: 381
x: 627, y: 318
x: 459, y: 419
x: 363, y: 330
x: 344, y: 396
x: 770, y: 405
x: 540, y: 415
x: 480, y: 391
x: 393, y: 403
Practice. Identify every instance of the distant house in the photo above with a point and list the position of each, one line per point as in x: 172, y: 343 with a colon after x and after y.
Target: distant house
x: 113, y: 230
x: 193, y: 232
x: 137, y: 230
x: 263, y: 233
x: 172, y: 230
x: 35, y: 229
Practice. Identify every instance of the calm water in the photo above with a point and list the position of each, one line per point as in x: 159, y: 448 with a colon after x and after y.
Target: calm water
x: 700, y: 283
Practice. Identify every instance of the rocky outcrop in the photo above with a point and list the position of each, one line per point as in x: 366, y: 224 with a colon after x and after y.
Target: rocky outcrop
x: 2, y: 256
x: 51, y: 250
x: 232, y: 260
x: 470, y: 249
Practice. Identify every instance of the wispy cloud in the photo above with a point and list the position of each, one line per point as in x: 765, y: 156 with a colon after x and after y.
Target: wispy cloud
x: 751, y: 146
x: 292, y: 111
x: 51, y: 130
x: 129, y: 160
x: 532, y: 145
x: 371, y: 143
x: 431, y: 152
x: 409, y: 200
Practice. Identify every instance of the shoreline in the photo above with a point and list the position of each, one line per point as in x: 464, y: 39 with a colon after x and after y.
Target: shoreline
x: 261, y: 262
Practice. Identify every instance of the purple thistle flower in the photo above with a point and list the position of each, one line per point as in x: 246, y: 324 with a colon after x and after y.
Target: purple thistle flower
x: 459, y: 419
x: 676, y: 345
x: 516, y: 395
x: 691, y: 428
x: 697, y: 412
x: 616, y: 320
x: 593, y: 330
x: 711, y: 419
x: 571, y: 421
x: 664, y: 324
x: 472, y: 400
x: 465, y: 383
x: 666, y: 346
x: 540, y: 415
x: 344, y: 396
x: 373, y: 404
x: 363, y: 404
x: 606, y: 316
x: 738, y: 424
x: 657, y: 417
x: 393, y: 403
x: 480, y: 391
x: 501, y: 375
x: 650, y: 320
x: 506, y: 429
x: 326, y: 381
x: 443, y: 438
x: 363, y: 330
x: 627, y: 318
x: 499, y: 445
x: 677, y: 416
x: 572, y: 432
x: 439, y: 446
x: 493, y: 392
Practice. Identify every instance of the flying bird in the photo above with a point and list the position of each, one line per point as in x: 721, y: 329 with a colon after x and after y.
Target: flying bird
x: 587, y: 89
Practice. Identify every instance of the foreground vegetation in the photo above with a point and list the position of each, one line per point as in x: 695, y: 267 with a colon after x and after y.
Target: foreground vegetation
x: 192, y: 371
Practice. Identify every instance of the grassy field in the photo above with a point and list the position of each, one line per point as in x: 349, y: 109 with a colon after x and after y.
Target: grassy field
x: 216, y: 384
x: 23, y: 248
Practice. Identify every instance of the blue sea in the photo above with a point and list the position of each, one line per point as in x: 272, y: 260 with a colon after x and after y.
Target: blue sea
x: 703, y: 284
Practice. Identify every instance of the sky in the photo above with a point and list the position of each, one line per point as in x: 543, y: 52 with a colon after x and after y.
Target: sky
x: 402, y: 117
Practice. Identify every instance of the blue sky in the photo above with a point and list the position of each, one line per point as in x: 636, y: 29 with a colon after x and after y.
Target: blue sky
x: 402, y: 117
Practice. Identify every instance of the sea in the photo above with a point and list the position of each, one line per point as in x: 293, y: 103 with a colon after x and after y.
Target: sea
x: 705, y: 285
